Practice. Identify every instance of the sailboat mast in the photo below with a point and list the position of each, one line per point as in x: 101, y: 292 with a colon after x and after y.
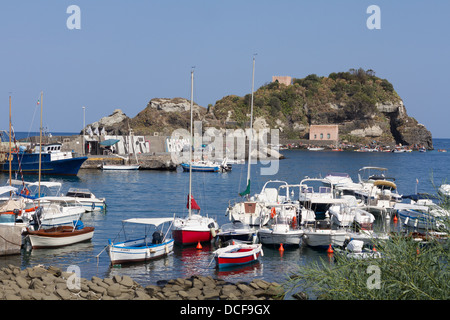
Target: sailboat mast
x: 9, y: 153
x: 250, y: 137
x: 40, y: 148
x: 191, y: 144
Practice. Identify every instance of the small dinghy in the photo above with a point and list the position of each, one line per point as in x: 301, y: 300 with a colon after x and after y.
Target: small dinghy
x: 237, y: 254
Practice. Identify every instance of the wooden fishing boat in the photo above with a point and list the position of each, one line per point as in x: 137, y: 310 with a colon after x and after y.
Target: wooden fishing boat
x: 59, y: 236
x: 237, y: 254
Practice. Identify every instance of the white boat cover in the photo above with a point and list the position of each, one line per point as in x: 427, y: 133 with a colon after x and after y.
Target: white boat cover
x: 6, y: 189
x: 150, y: 221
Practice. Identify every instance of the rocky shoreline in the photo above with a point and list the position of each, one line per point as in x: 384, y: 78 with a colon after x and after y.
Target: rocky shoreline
x: 51, y: 283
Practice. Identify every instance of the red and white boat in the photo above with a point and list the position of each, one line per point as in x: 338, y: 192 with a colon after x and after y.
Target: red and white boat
x: 237, y: 254
x: 194, y: 228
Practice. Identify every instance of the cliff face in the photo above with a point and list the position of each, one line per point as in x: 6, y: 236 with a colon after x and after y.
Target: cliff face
x: 365, y: 107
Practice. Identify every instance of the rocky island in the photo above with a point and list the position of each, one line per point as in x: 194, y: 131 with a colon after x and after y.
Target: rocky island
x: 363, y: 106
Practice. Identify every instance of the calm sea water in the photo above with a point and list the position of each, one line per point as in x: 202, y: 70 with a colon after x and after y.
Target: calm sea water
x: 163, y: 194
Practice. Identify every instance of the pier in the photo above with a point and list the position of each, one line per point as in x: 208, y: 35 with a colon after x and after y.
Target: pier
x: 10, y: 239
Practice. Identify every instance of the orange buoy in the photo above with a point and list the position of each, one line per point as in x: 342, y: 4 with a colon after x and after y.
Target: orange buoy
x: 330, y: 249
x: 281, y: 247
x: 374, y: 249
x: 395, y: 218
x: 199, y: 245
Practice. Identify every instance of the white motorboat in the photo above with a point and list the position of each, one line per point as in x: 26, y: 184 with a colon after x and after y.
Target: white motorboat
x: 444, y: 190
x: 145, y: 248
x: 259, y: 209
x: 283, y: 230
x: 236, y: 230
x: 355, y: 250
x: 53, y: 212
x: 335, y: 178
x: 322, y: 235
x: 315, y: 195
x: 346, y: 216
x: 87, y: 199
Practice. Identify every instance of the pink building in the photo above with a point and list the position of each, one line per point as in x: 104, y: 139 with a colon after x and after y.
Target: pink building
x: 324, y: 132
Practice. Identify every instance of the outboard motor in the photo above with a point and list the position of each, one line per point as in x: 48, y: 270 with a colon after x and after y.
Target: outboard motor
x: 36, y: 218
x: 157, y: 237
x: 212, y: 229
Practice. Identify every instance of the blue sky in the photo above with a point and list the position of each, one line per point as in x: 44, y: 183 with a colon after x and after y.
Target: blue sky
x: 128, y: 52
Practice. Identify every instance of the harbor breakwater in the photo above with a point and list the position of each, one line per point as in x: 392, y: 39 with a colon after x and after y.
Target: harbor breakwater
x: 52, y: 283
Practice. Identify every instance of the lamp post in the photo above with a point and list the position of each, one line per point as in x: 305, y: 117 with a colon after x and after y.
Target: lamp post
x: 84, y: 128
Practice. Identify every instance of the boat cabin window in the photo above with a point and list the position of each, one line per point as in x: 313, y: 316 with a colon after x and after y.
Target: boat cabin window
x: 324, y: 190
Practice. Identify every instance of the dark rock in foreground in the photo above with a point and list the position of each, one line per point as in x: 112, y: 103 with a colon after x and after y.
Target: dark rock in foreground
x: 40, y: 283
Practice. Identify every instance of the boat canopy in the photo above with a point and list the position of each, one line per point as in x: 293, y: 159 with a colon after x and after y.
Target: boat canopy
x: 384, y: 183
x: 47, y: 184
x: 373, y: 168
x: 6, y: 189
x: 151, y: 221
x: 109, y: 142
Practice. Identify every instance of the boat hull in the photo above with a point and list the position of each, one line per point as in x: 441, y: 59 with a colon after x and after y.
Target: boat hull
x: 200, y: 168
x: 29, y: 164
x: 324, y: 237
x: 194, y: 229
x: 59, y: 237
x: 120, y: 167
x: 187, y: 237
x: 290, y: 238
x: 137, y: 251
x: 237, y: 255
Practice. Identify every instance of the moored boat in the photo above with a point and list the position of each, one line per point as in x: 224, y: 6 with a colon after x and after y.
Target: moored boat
x: 59, y: 236
x: 53, y: 161
x: 142, y: 249
x: 237, y: 255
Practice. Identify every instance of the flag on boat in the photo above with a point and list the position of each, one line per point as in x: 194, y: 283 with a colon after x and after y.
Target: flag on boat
x: 194, y: 204
x: 247, y: 190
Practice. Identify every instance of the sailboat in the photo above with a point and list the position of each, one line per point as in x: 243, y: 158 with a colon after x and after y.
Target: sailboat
x: 126, y: 159
x: 50, y: 228
x: 251, y: 212
x: 195, y: 228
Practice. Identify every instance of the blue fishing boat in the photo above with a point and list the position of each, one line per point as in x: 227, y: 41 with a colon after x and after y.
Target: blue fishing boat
x: 53, y: 161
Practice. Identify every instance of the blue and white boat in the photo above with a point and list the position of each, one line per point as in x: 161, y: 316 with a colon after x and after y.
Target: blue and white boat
x: 145, y: 248
x: 53, y: 161
x: 202, y: 166
x: 423, y: 214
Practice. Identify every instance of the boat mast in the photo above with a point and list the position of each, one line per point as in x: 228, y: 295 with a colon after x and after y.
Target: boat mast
x: 40, y: 150
x: 250, y: 137
x: 191, y: 144
x: 9, y: 153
